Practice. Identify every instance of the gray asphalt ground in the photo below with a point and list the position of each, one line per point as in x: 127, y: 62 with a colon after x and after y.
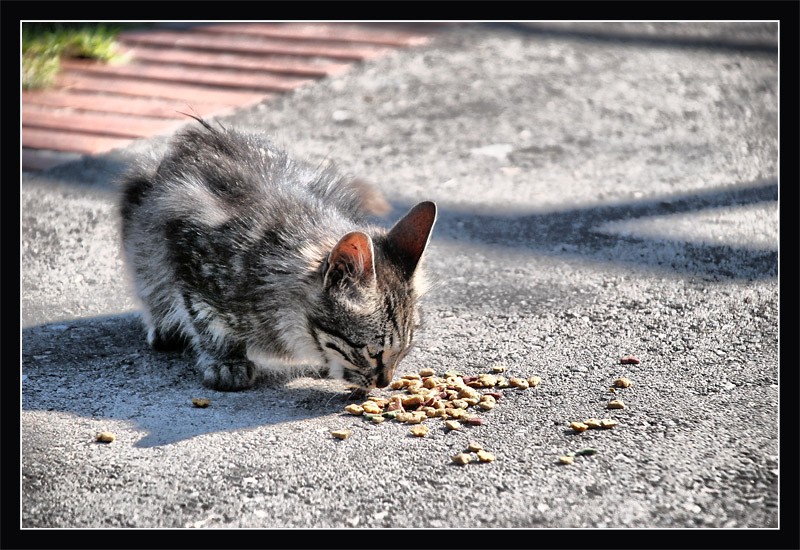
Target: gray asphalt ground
x: 598, y: 198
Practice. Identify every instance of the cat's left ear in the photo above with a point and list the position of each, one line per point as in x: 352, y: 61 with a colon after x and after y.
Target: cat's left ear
x: 351, y: 260
x: 409, y: 237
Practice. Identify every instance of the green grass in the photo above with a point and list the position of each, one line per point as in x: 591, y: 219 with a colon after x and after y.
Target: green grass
x: 44, y: 44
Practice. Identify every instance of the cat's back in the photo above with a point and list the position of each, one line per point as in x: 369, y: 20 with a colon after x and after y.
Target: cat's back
x: 213, y: 176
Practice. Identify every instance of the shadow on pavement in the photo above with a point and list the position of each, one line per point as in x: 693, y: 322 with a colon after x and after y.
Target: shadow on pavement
x: 103, y: 368
x: 575, y: 232
x: 612, y: 34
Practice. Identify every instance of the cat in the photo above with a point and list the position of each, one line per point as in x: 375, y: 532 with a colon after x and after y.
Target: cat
x: 256, y: 263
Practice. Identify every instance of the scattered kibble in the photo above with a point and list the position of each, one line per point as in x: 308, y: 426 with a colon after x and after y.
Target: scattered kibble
x: 616, y: 404
x: 474, y: 447
x: 462, y: 458
x: 629, y: 360
x: 485, y: 456
x: 377, y: 419
x: 534, y: 381
x: 578, y: 426
x: 592, y: 423
x: 427, y: 372
x: 106, y: 437
x: 371, y: 407
x: 200, y: 403
x: 341, y: 434
x: 622, y: 382
x: 518, y: 383
x: 419, y: 430
x: 498, y: 369
x: 587, y: 452
x: 354, y: 409
x: 452, y: 425
x: 608, y: 423
x: 566, y: 459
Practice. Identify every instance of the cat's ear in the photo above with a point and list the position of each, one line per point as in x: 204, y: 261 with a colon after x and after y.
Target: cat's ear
x: 351, y: 260
x: 409, y: 237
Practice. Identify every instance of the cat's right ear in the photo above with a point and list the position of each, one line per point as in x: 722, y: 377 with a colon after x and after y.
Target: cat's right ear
x: 409, y: 237
x: 351, y: 260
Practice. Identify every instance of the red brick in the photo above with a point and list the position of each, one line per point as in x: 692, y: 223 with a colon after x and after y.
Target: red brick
x: 96, y: 123
x: 249, y: 80
x: 205, y: 41
x: 77, y: 142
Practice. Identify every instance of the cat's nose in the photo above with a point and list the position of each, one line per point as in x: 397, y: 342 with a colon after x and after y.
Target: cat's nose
x: 384, y: 377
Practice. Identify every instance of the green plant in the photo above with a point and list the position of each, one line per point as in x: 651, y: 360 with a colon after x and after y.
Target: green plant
x: 43, y: 45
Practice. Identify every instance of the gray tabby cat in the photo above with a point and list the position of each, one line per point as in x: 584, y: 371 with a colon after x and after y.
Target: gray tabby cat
x: 258, y: 263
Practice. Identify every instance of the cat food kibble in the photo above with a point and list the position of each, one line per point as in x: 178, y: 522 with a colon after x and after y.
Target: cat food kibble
x: 354, y: 409
x: 498, y: 369
x: 377, y: 419
x: 474, y: 447
x: 622, y: 382
x: 518, y: 383
x: 462, y: 458
x: 371, y: 407
x: 427, y: 372
x: 485, y: 456
x: 616, y: 404
x: 452, y: 424
x: 106, y: 437
x: 592, y: 423
x: 578, y: 426
x: 201, y: 403
x: 420, y: 430
x: 608, y: 423
x: 629, y: 360
x: 341, y: 434
x: 566, y: 459
x: 534, y: 381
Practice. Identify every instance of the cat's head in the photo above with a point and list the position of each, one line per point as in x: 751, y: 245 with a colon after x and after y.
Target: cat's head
x: 371, y: 286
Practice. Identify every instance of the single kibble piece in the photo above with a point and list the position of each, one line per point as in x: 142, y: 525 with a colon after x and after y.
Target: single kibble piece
x: 380, y: 401
x: 498, y: 369
x: 471, y: 401
x: 462, y: 458
x: 201, y: 403
x: 397, y: 384
x: 485, y: 456
x: 370, y: 407
x: 473, y: 420
x: 616, y: 404
x: 341, y: 434
x: 592, y: 423
x: 502, y: 382
x: 106, y: 437
x: 566, y: 459
x: 578, y: 426
x: 608, y: 423
x: 534, y: 381
x: 622, y: 382
x: 487, y: 380
x: 427, y: 372
x: 395, y: 404
x: 412, y: 376
x: 377, y: 419
x: 420, y: 430
x: 474, y: 447
x: 629, y: 360
x: 452, y: 424
x: 518, y: 383
x: 467, y: 393
x: 354, y: 409
x: 456, y: 413
x: 487, y: 405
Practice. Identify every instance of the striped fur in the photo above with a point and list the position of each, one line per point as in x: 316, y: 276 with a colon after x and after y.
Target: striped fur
x: 258, y: 263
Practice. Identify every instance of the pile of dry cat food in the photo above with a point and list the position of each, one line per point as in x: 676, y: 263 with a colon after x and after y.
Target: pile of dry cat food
x: 450, y: 397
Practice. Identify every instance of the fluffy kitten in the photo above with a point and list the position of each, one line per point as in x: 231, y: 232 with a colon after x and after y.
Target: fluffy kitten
x: 256, y: 263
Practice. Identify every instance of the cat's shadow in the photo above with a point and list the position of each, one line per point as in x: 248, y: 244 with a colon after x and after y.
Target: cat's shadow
x: 102, y: 368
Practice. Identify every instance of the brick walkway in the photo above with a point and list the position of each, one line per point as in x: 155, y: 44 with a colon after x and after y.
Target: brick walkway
x: 204, y: 70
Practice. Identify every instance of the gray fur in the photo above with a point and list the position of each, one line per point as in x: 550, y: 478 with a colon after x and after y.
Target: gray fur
x: 233, y: 247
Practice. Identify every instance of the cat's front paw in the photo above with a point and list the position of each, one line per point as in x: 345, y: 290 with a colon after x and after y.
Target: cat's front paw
x: 230, y: 376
